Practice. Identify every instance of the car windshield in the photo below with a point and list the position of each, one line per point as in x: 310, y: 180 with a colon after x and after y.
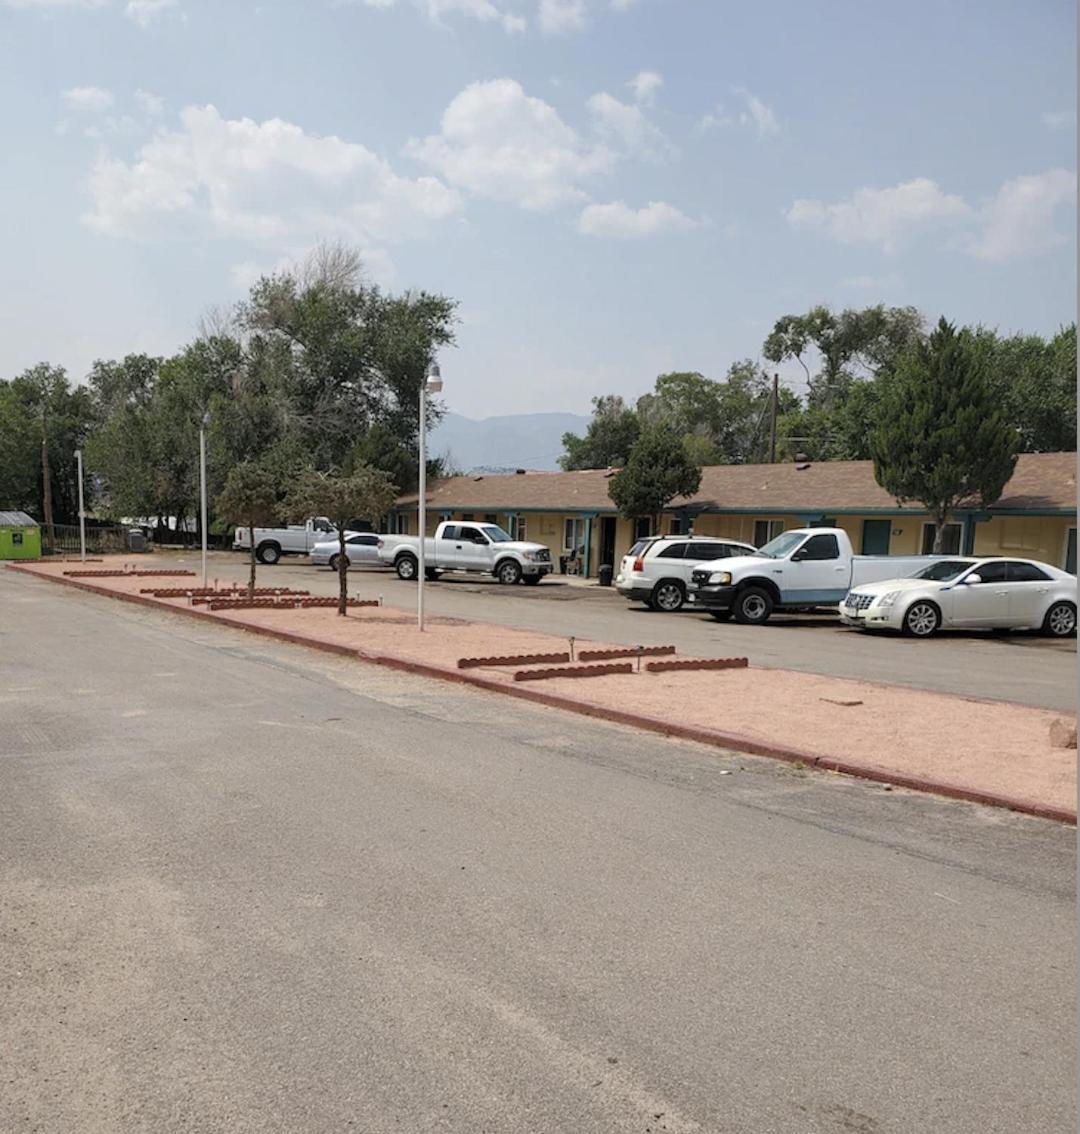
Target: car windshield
x: 495, y: 533
x: 782, y: 545
x: 944, y: 571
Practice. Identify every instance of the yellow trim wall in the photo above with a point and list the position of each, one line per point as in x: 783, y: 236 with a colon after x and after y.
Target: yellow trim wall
x: 1030, y: 537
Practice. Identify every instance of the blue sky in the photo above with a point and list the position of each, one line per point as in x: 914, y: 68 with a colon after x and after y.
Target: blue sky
x: 610, y: 188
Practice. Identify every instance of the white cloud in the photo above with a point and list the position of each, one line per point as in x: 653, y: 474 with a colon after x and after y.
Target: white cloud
x: 485, y: 11
x: 145, y: 12
x: 557, y: 17
x: 150, y: 103
x: 46, y: 5
x: 1020, y: 218
x: 269, y: 183
x: 879, y: 216
x: 755, y: 115
x: 623, y: 5
x: 645, y: 84
x: 498, y: 142
x: 627, y: 128
x: 1059, y: 119
x: 619, y: 220
x: 88, y: 100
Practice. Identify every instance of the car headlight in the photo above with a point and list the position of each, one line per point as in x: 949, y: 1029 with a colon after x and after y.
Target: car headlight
x: 719, y: 578
x: 889, y: 599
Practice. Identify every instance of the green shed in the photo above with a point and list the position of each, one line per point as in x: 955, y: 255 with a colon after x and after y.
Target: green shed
x: 20, y: 536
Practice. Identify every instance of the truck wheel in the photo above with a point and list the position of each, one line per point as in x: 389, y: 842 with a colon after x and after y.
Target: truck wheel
x: 406, y: 567
x: 922, y: 619
x: 1060, y: 621
x: 268, y: 553
x: 508, y: 572
x: 753, y: 606
x: 668, y: 595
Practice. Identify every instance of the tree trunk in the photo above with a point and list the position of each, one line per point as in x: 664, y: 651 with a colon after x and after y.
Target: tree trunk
x: 343, y: 574
x: 251, y: 577
x: 939, y: 532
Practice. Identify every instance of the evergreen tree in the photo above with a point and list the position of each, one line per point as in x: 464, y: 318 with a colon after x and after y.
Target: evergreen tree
x: 942, y: 438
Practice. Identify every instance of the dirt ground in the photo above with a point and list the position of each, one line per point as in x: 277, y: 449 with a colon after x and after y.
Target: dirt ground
x: 990, y: 747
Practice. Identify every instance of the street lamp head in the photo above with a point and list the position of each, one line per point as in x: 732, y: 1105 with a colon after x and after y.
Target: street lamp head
x: 433, y: 382
x: 206, y: 418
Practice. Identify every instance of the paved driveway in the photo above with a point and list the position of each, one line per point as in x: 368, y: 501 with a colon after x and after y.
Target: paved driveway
x: 246, y: 887
x: 1021, y: 667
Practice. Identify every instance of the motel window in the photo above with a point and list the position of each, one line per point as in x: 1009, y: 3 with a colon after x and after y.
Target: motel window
x: 519, y: 528
x: 643, y: 527
x: 573, y: 533
x: 490, y: 518
x: 765, y: 530
x: 951, y: 544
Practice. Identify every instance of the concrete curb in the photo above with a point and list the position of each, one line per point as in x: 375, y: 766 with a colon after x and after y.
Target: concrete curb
x: 713, y: 737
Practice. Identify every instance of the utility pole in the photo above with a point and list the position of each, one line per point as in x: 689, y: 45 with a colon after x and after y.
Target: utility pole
x: 772, y: 418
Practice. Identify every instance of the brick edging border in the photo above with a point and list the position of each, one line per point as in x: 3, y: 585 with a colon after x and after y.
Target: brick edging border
x: 713, y: 737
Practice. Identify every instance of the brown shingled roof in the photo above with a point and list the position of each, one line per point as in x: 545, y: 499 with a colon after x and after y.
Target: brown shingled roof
x: 1041, y: 481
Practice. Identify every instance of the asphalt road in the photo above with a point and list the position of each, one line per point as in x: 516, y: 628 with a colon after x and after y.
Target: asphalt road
x: 1017, y: 667
x: 248, y: 887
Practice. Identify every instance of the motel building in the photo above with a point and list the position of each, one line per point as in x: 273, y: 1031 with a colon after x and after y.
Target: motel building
x: 567, y: 511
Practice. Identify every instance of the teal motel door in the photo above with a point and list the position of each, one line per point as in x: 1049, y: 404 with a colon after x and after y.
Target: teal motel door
x: 1070, y: 552
x: 875, y: 537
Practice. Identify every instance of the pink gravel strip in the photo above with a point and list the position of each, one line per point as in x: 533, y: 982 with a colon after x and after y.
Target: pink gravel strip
x: 998, y: 749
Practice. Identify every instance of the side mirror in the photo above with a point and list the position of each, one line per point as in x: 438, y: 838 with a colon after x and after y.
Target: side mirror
x: 799, y: 555
x: 972, y: 580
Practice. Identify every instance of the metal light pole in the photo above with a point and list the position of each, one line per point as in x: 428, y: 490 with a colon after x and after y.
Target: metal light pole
x: 432, y: 384
x: 202, y: 489
x: 82, y: 511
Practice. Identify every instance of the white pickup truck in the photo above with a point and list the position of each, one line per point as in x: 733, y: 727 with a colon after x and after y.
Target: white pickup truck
x: 272, y: 543
x: 804, y: 567
x: 480, y: 549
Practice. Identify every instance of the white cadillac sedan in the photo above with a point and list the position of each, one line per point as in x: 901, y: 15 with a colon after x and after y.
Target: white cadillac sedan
x: 968, y: 594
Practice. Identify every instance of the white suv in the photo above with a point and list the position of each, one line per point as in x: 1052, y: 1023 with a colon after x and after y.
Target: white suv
x: 656, y: 571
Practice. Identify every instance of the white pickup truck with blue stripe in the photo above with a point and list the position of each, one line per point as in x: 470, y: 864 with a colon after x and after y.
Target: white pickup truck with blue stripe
x: 804, y: 567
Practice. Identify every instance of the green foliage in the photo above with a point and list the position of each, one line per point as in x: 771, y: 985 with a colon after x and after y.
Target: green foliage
x: 39, y: 404
x: 658, y: 471
x: 608, y: 440
x: 1035, y: 381
x: 847, y: 347
x: 250, y: 499
x: 364, y: 491
x: 942, y: 438
x: 720, y: 422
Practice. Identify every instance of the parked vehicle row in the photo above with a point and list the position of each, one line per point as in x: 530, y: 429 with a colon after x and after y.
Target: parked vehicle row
x: 801, y: 569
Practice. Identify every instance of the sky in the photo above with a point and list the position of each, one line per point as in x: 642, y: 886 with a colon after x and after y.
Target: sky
x: 611, y: 189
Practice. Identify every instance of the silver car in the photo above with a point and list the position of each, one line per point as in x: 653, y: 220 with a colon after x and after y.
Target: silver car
x: 361, y: 548
x: 968, y: 594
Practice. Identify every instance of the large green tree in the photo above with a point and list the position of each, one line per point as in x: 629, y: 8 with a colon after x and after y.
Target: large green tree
x: 658, y: 471
x: 836, y: 350
x: 942, y: 438
x: 608, y: 440
x: 364, y: 492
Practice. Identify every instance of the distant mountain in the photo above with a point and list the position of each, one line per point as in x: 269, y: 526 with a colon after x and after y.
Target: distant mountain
x: 516, y: 441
